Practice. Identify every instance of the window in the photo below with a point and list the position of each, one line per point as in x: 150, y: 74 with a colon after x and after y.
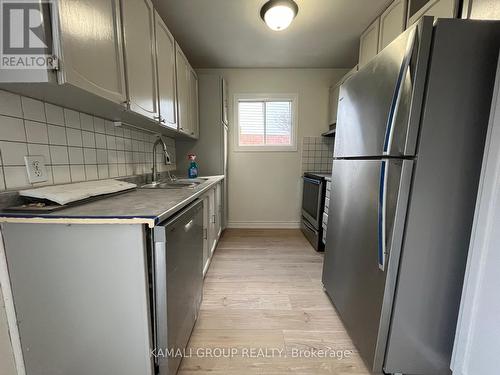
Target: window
x: 266, y: 122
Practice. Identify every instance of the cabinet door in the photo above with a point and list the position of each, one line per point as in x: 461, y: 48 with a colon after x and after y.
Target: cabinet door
x: 165, y: 53
x: 368, y: 44
x: 140, y: 56
x: 392, y: 23
x: 212, y: 231
x: 218, y: 210
x: 182, y: 90
x: 333, y: 104
x: 92, y: 47
x: 435, y: 8
x: 206, y: 224
x: 193, y: 104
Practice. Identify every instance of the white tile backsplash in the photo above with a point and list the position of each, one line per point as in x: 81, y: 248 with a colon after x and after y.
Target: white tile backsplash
x: 87, y: 122
x: 91, y: 172
x: 74, y: 137
x: 317, y: 154
x: 59, y: 155
x: 99, y: 125
x: 61, y: 174
x: 13, y: 153
x: 34, y: 149
x: 77, y: 173
x: 10, y: 105
x: 75, y: 155
x: 88, y: 139
x: 12, y: 129
x: 72, y: 119
x: 33, y: 109
x: 15, y: 177
x: 36, y: 132
x: 76, y: 146
x: 54, y: 114
x: 57, y: 135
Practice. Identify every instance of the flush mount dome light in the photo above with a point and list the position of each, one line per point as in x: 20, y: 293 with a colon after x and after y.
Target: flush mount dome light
x: 279, y: 14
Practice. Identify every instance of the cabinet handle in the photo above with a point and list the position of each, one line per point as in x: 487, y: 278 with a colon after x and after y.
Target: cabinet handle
x: 205, y: 233
x: 213, y: 219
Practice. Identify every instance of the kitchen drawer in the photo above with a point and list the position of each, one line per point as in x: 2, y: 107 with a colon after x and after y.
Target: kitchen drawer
x: 325, y: 218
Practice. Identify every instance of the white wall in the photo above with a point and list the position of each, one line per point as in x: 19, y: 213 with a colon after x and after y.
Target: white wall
x: 265, y: 187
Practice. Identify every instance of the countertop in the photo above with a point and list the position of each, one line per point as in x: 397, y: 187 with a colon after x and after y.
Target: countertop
x: 139, y: 206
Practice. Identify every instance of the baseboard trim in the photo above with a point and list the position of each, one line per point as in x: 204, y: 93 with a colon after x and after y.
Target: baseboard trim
x: 263, y: 224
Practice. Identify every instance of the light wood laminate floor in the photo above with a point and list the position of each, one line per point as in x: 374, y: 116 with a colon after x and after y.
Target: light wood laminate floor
x: 264, y: 311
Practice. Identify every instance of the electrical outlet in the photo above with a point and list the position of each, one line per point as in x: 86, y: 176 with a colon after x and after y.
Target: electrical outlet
x: 35, y: 166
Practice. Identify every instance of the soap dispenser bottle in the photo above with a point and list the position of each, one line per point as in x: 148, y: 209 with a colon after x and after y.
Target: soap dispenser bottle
x: 193, y: 166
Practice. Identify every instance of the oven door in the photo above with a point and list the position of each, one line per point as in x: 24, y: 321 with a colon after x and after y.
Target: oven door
x: 312, y: 200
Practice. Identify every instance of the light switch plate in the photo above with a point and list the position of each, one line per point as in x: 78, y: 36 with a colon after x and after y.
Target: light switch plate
x: 35, y: 166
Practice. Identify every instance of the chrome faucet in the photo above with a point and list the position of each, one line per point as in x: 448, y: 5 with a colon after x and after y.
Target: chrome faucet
x: 166, y: 158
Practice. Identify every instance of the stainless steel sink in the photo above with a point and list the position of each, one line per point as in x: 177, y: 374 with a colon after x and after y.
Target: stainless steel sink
x: 175, y: 184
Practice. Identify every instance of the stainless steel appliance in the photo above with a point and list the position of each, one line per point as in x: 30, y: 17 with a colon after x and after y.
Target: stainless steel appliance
x: 408, y: 152
x: 313, y: 198
x: 178, y: 279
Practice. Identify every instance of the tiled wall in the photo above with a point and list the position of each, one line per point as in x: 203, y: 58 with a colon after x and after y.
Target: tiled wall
x: 317, y: 154
x: 76, y: 146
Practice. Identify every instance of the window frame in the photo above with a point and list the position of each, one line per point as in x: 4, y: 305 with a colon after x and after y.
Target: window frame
x: 293, y: 98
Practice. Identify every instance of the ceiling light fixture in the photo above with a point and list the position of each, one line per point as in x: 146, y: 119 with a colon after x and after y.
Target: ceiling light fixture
x: 279, y: 14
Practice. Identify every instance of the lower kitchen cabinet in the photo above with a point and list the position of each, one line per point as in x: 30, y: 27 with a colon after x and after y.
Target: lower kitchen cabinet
x: 212, y: 211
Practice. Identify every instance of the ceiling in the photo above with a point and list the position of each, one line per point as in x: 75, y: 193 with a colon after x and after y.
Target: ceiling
x: 231, y: 34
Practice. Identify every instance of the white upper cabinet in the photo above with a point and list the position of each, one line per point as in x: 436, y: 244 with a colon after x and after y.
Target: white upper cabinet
x: 368, y: 46
x: 187, y: 96
x: 392, y: 23
x: 167, y: 92
x: 92, y: 49
x: 193, y: 104
x: 140, y: 57
x: 183, y: 89
x: 435, y: 8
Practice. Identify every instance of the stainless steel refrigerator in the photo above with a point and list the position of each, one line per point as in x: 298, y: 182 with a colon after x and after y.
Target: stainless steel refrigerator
x: 408, y: 150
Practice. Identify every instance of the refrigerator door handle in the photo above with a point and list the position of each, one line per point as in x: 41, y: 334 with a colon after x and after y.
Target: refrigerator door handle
x: 382, y: 216
x: 396, y: 99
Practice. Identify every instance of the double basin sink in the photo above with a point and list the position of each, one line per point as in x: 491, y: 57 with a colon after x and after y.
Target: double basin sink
x: 180, y: 183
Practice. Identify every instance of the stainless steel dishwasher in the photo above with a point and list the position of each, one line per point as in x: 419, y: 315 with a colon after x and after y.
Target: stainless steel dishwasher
x: 178, y: 274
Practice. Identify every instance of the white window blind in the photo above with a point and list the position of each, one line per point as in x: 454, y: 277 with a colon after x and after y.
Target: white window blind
x: 265, y: 123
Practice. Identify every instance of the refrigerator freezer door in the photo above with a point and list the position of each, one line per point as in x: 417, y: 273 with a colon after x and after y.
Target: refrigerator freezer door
x: 362, y: 211
x: 379, y: 107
